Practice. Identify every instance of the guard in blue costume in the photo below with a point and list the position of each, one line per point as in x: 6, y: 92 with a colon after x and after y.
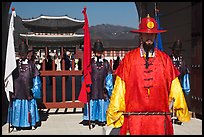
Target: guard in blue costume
x: 101, y: 88
x: 23, y: 110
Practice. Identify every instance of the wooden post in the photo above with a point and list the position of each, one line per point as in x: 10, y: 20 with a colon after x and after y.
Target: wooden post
x: 111, y: 63
x: 44, y: 83
x: 53, y: 82
x: 63, y: 83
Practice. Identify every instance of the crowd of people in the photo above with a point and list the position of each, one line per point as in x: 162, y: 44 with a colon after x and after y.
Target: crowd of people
x: 67, y: 57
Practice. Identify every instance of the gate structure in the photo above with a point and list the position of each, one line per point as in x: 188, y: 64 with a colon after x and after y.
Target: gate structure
x: 53, y: 74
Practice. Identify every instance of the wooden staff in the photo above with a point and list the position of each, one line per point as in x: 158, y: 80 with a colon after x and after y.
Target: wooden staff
x: 88, y: 96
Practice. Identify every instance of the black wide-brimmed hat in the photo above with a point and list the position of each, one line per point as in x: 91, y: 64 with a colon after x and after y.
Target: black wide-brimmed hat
x: 23, y: 48
x: 98, y: 46
x: 177, y: 45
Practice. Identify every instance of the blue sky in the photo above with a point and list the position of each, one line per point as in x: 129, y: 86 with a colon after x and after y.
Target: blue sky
x: 115, y: 13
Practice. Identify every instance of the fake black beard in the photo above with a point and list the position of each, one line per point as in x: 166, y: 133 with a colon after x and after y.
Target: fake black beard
x: 148, y: 48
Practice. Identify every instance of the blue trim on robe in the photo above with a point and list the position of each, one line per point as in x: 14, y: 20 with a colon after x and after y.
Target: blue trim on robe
x: 97, y: 109
x: 19, y: 113
x: 186, y: 83
x: 36, y: 90
x: 109, y: 84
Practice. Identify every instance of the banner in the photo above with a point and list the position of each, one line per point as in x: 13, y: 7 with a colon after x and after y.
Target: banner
x: 158, y: 41
x: 10, y: 58
x: 86, y: 62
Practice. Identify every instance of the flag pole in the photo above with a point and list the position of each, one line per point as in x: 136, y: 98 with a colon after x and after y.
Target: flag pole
x: 155, y: 14
x: 88, y: 94
x: 9, y: 118
x: 9, y: 114
x: 158, y: 41
x: 89, y: 115
x: 84, y: 95
x: 10, y: 65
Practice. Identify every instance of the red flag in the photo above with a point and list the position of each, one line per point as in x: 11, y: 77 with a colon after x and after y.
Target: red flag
x: 87, y: 61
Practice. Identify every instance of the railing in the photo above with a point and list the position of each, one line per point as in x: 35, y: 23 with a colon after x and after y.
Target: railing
x: 53, y: 74
x: 73, y: 103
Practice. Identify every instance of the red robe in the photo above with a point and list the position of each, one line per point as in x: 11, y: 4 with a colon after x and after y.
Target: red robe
x: 147, y: 90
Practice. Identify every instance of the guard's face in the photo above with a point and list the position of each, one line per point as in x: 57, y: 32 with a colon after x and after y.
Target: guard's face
x: 23, y: 55
x: 176, y: 52
x: 148, y: 38
x: 98, y: 54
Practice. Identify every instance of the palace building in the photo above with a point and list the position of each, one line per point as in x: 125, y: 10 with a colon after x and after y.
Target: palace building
x: 53, y: 35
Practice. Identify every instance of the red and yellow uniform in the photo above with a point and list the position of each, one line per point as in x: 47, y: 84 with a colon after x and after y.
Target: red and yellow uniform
x: 146, y: 90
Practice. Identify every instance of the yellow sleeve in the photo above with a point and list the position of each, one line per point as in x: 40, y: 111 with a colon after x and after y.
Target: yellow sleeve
x: 117, y: 104
x: 180, y: 106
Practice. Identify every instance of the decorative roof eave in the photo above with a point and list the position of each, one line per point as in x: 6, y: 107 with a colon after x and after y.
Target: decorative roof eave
x: 53, y: 18
x: 53, y: 23
x: 52, y: 38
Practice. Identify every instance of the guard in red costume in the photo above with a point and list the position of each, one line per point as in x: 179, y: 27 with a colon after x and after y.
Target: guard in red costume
x: 146, y: 83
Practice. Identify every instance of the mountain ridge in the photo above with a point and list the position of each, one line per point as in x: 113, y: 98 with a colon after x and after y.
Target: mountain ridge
x: 113, y: 36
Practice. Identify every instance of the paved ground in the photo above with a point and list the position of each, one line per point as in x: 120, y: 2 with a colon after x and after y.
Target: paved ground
x: 66, y: 122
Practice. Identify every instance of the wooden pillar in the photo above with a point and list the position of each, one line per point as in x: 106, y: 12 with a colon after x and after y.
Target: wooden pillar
x: 111, y: 53
x: 63, y: 83
x: 53, y: 82
x: 61, y: 54
x: 46, y: 51
x: 120, y: 53
x: 111, y: 63
x: 44, y: 83
x: 114, y: 53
